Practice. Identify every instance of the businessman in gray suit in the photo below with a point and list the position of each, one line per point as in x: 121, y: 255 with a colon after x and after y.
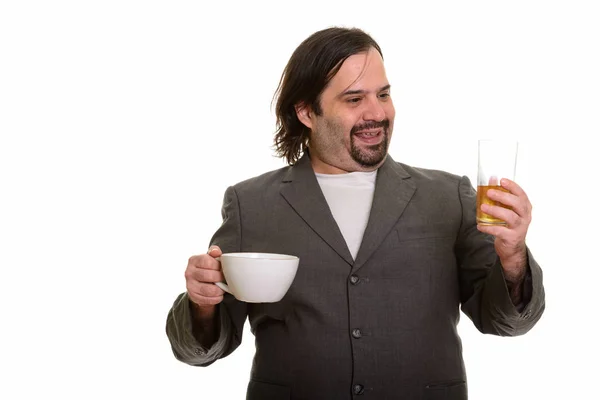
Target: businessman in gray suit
x: 389, y: 254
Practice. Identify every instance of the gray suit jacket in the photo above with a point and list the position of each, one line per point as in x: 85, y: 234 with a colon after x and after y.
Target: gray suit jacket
x: 383, y: 326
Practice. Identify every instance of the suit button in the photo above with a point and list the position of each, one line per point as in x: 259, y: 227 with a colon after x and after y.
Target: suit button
x: 358, y: 389
x: 356, y: 333
x: 354, y: 279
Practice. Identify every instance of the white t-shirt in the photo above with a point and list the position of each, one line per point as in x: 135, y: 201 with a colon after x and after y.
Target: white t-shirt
x: 350, y: 197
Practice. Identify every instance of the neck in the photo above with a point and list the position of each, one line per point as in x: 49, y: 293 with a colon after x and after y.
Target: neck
x: 321, y: 167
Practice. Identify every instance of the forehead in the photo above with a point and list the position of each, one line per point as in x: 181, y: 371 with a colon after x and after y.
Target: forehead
x: 362, y: 71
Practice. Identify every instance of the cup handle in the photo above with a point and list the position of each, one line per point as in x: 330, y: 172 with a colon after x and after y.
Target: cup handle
x: 222, y: 285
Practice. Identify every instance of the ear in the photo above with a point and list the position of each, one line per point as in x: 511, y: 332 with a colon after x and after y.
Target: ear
x: 304, y: 114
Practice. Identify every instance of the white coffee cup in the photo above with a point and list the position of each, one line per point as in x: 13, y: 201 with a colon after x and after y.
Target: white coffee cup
x: 258, y: 277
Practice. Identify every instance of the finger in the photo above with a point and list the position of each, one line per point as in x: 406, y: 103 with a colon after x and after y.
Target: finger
x: 493, y: 181
x: 509, y: 238
x: 204, y: 301
x: 518, y: 204
x: 201, y: 289
x: 507, y: 215
x: 494, y: 230
x: 204, y: 261
x: 525, y: 209
x: 214, y: 251
x: 503, y: 197
x: 204, y: 275
x: 513, y: 187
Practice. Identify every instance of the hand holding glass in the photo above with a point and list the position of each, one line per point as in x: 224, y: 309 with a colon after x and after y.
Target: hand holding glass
x: 497, y: 160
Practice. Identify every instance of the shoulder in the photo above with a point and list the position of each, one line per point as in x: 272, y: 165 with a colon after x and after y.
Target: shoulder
x: 263, y: 182
x: 431, y: 176
x: 439, y: 182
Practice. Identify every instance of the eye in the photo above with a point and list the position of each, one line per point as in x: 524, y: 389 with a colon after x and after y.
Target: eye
x: 384, y: 96
x: 353, y: 100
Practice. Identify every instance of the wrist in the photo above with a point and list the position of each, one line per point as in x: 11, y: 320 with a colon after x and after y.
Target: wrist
x: 515, y: 267
x: 203, y: 313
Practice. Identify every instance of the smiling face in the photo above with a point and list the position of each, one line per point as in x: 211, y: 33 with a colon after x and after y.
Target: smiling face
x: 354, y: 128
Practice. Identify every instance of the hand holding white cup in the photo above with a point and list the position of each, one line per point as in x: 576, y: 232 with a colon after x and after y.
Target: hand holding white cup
x: 200, y: 276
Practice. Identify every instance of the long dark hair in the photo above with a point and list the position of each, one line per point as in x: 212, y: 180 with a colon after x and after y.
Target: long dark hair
x: 307, y: 73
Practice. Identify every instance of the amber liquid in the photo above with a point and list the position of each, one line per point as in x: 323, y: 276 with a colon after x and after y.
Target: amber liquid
x: 483, y: 218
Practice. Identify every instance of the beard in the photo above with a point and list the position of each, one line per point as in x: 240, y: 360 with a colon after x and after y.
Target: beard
x: 328, y: 142
x: 373, y: 155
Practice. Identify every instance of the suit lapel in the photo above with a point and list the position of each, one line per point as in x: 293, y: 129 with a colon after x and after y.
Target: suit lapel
x: 393, y: 191
x: 301, y: 190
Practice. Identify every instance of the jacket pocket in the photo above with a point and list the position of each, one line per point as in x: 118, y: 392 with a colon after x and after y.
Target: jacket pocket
x: 259, y: 390
x: 450, y: 390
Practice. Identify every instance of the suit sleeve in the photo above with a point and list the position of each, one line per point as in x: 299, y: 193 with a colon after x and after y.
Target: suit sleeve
x: 484, y: 294
x: 232, y: 313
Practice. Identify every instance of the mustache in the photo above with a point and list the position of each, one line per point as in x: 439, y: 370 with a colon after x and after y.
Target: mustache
x: 385, y: 124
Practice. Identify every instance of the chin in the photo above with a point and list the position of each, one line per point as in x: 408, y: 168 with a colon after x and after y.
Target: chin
x: 371, y: 161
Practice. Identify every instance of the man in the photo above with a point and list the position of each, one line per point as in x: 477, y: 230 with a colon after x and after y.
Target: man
x: 389, y: 254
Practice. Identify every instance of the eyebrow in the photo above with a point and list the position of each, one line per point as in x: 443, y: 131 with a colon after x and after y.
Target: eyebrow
x: 355, y: 92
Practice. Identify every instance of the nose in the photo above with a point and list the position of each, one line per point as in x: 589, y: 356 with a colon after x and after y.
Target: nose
x: 374, y: 111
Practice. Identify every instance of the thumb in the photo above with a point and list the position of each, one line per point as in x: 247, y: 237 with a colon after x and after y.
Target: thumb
x: 214, y: 251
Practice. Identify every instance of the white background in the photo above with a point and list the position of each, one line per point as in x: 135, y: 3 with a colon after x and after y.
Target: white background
x: 122, y: 123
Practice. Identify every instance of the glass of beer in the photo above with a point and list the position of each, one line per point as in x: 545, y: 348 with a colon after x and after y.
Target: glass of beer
x: 497, y: 160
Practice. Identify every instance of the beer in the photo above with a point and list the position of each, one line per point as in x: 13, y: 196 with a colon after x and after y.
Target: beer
x: 483, y: 218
